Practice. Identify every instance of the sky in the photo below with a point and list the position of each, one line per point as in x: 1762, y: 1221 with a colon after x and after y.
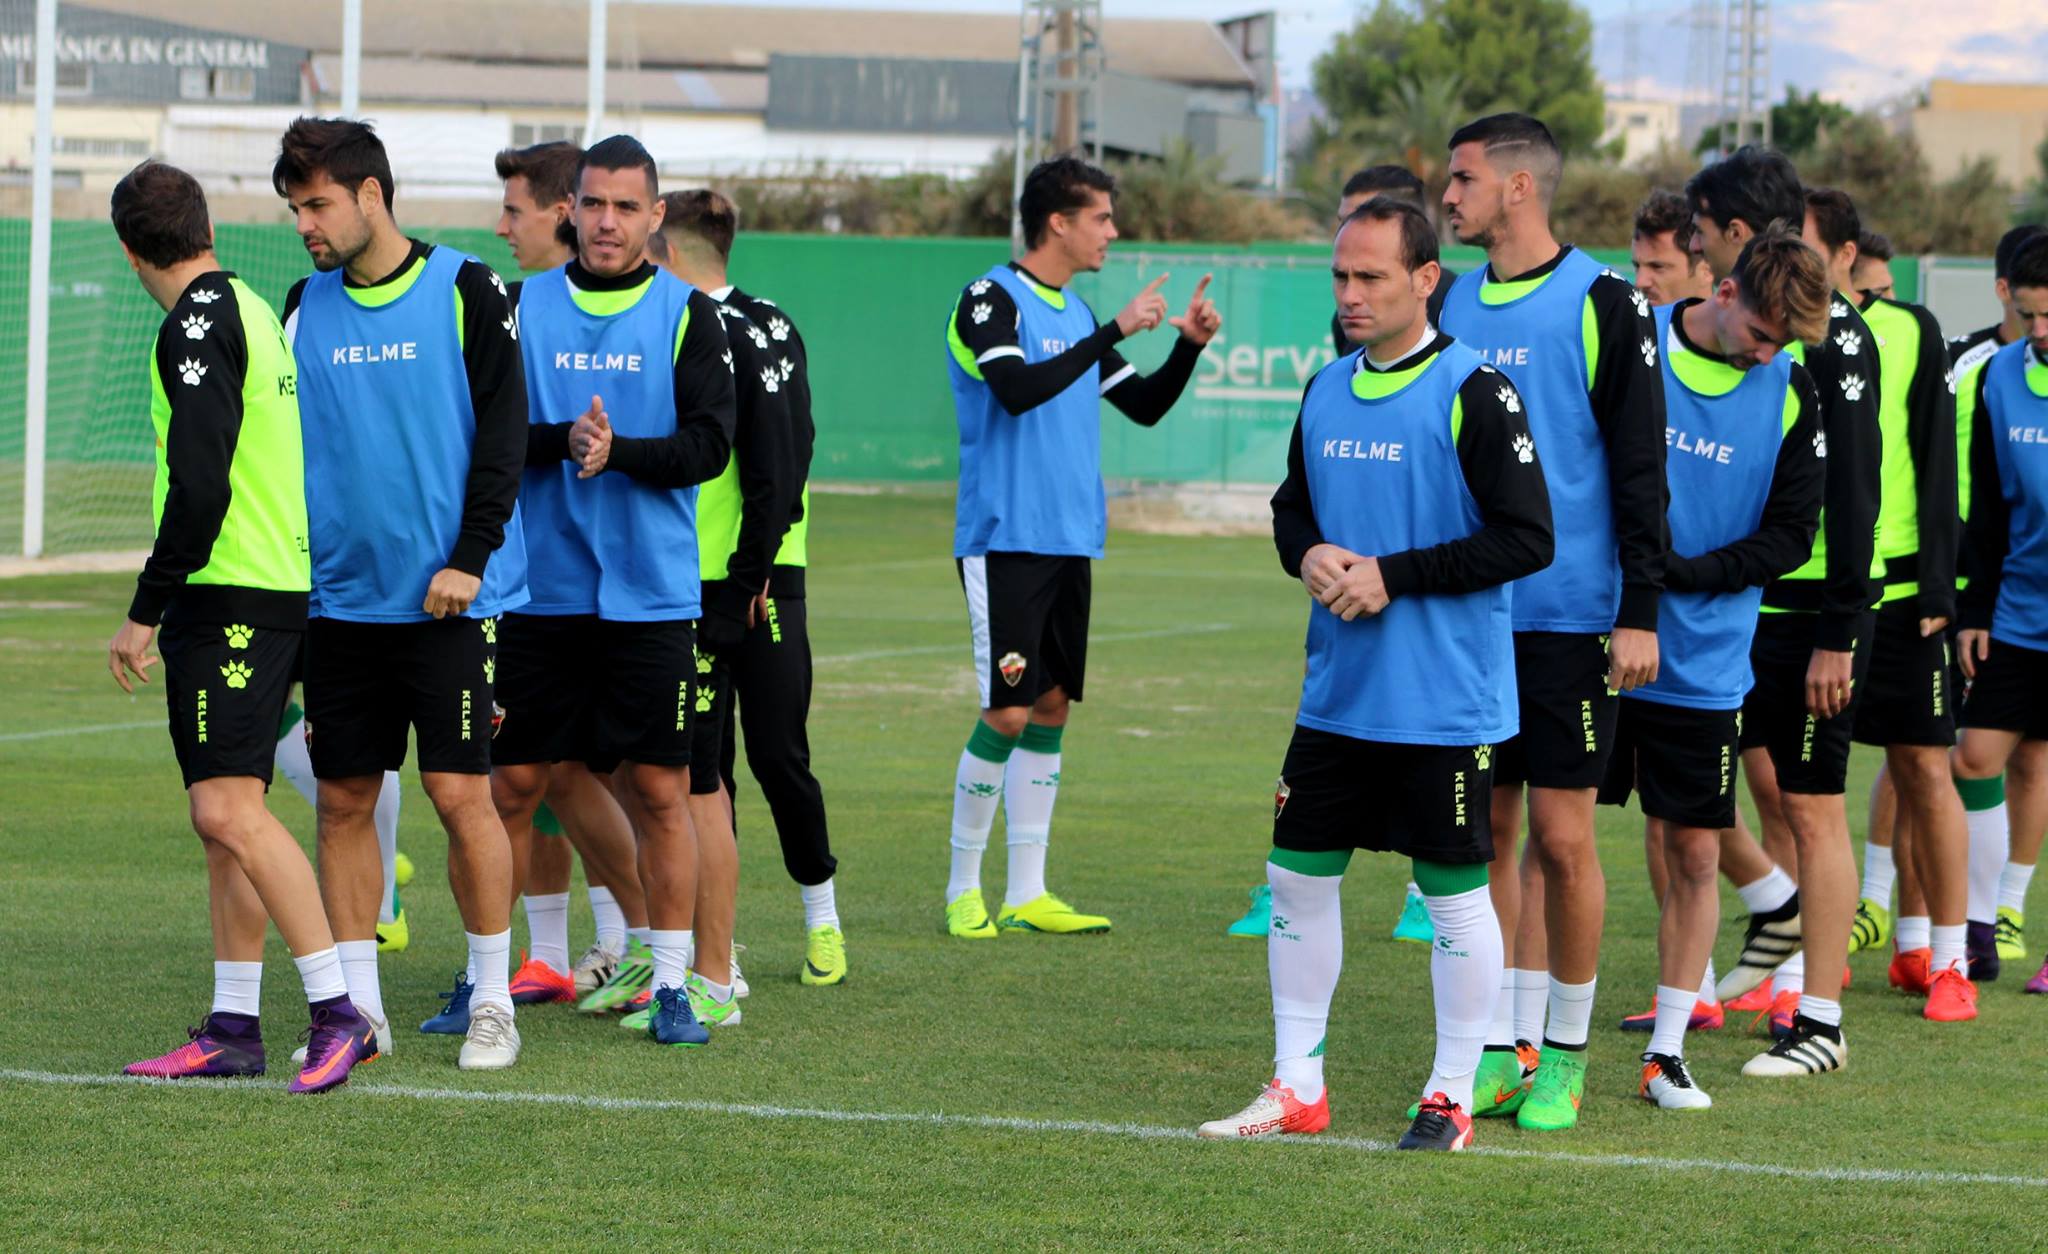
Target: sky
x: 1856, y: 51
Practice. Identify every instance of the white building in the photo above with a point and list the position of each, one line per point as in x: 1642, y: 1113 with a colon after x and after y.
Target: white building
x: 1642, y: 126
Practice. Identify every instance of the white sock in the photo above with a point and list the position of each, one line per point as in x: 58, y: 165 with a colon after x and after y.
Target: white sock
x: 1877, y: 874
x: 1503, y: 1031
x: 295, y: 763
x: 1790, y: 977
x: 386, y: 817
x: 1949, y: 949
x: 238, y: 988
x: 1768, y: 893
x: 492, y: 958
x: 359, y: 969
x: 1303, y: 962
x: 1674, y: 1012
x: 821, y: 905
x: 1821, y: 1009
x: 671, y: 957
x: 321, y: 974
x: 645, y: 935
x: 977, y: 790
x: 1532, y: 994
x: 1465, y: 966
x: 547, y: 928
x: 2012, y: 886
x: 1707, y: 985
x: 1571, y: 1012
x: 611, y: 921
x: 1988, y: 850
x: 719, y: 992
x: 1031, y: 783
x: 1915, y: 932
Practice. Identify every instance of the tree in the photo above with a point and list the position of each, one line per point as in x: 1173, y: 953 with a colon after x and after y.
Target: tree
x: 1796, y: 123
x: 1887, y: 176
x: 1531, y: 55
x: 2033, y: 205
x: 1413, y: 131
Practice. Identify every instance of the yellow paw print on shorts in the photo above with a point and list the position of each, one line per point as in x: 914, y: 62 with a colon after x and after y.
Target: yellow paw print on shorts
x: 239, y: 635
x: 490, y: 631
x: 237, y: 674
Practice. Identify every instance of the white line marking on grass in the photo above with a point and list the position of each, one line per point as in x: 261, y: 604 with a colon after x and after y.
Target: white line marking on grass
x: 49, y: 732
x: 1008, y: 1123
x: 1110, y: 637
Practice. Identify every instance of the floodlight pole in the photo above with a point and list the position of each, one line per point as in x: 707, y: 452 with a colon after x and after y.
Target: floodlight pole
x: 593, y: 118
x: 351, y: 58
x: 37, y: 417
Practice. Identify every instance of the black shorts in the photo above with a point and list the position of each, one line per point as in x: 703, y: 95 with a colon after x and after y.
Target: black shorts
x: 1430, y: 802
x: 1028, y: 615
x: 368, y: 684
x: 1567, y: 713
x: 226, y: 689
x: 2010, y: 692
x: 1909, y: 697
x: 710, y: 710
x: 1810, y: 755
x: 1682, y: 761
x: 547, y: 667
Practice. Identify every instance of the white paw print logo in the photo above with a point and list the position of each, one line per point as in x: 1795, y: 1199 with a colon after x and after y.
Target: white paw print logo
x: 196, y: 327
x: 1525, y: 448
x: 727, y: 312
x: 779, y: 328
x: 1641, y: 302
x: 771, y: 379
x: 978, y: 287
x: 1852, y: 387
x: 1849, y: 342
x: 497, y: 282
x: 788, y: 367
x: 1820, y: 444
x: 1649, y: 347
x: 727, y: 355
x: 1948, y: 377
x: 511, y: 324
x: 755, y: 334
x: 1510, y: 401
x: 1837, y: 309
x: 981, y: 312
x: 191, y: 372
x: 205, y: 296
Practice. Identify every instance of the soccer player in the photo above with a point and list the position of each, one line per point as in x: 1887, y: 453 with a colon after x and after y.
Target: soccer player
x: 1027, y: 364
x: 1812, y: 644
x: 1872, y: 273
x: 771, y: 666
x: 1579, y: 343
x: 631, y: 388
x: 1907, y: 707
x: 1413, y: 499
x: 410, y: 385
x: 1667, y: 270
x: 1996, y: 866
x: 1747, y: 472
x: 1401, y: 183
x: 226, y: 582
x: 2004, y: 637
x: 540, y: 190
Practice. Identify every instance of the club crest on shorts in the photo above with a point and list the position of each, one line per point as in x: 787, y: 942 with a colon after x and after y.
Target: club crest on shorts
x: 1280, y: 794
x: 1012, y: 667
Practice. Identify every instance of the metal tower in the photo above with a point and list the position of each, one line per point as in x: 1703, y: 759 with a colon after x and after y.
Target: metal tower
x: 1746, y: 75
x: 1059, y: 88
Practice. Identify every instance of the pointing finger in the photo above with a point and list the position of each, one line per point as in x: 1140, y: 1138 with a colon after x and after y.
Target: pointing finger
x: 1201, y: 287
x: 1153, y: 286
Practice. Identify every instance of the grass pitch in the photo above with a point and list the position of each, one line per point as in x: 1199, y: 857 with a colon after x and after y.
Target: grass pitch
x: 1051, y: 1069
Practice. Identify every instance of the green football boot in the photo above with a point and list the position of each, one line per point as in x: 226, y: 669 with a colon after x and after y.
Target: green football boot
x: 1872, y: 926
x: 2011, y: 931
x: 1502, y: 1081
x: 633, y: 976
x: 710, y: 1012
x: 1555, y: 1093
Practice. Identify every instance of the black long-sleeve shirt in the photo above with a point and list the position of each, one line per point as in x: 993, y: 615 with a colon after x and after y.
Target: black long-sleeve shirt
x: 1020, y: 386
x: 1845, y: 374
x: 1783, y: 538
x: 1498, y: 457
x: 705, y: 407
x: 786, y: 344
x: 761, y: 451
x: 497, y: 396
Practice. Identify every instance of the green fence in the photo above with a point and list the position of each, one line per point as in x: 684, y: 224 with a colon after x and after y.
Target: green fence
x: 872, y: 312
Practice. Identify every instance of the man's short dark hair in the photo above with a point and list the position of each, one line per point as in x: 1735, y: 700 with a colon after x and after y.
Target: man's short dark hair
x: 159, y: 212
x: 550, y: 173
x: 619, y: 152
x: 1664, y: 212
x: 1386, y: 180
x: 703, y: 214
x: 1060, y: 185
x: 1875, y: 245
x: 346, y: 151
x: 1418, y: 237
x: 1834, y: 216
x: 1523, y: 143
x: 2030, y: 264
x: 1753, y: 185
x: 2010, y: 244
